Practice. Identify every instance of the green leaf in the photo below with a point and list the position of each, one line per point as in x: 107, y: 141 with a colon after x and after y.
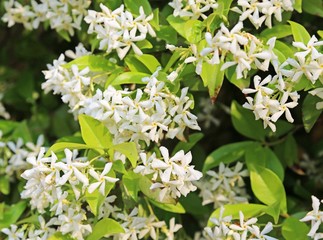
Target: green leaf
x: 224, y: 7
x: 106, y: 226
x: 213, y: 22
x: 130, y: 181
x: 320, y: 33
x: 193, y: 30
x: 186, y: 146
x: 244, y: 122
x: 298, y: 5
x: 300, y: 34
x: 60, y: 236
x: 249, y: 210
x: 129, y: 149
x: 309, y: 112
x: 129, y: 78
x: 4, y: 185
x: 12, y: 213
x: 133, y: 6
x: 231, y: 75
x: 293, y: 229
x: 267, y: 186
x: 192, y: 204
x: 175, y: 208
x: 168, y: 34
x: 274, y: 210
x: 226, y: 154
x: 145, y: 63
x: 94, y: 133
x: 60, y: 146
x: 22, y: 131
x: 94, y: 199
x: 287, y: 151
x: 7, y: 126
x: 178, y: 24
x: 278, y: 31
x: 96, y: 63
x: 265, y: 157
x: 119, y: 166
x: 283, y: 51
x: 313, y: 7
x: 212, y: 77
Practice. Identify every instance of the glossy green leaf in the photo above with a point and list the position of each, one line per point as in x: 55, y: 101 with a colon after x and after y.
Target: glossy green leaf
x: 4, y: 185
x: 129, y: 78
x: 212, y: 77
x: 130, y: 181
x: 106, y: 226
x: 177, y: 23
x: 309, y: 112
x: 12, y: 213
x: 175, y: 208
x: 313, y: 7
x: 60, y: 236
x: 267, y: 186
x: 278, y: 31
x: 96, y: 63
x: 300, y: 34
x: 249, y: 210
x: 129, y: 149
x: 293, y: 229
x: 298, y: 5
x: 133, y: 6
x: 231, y: 75
x: 287, y: 151
x: 224, y: 7
x: 226, y: 154
x: 22, y: 131
x: 7, y: 126
x: 265, y: 157
x: 186, y: 146
x: 244, y: 122
x: 94, y: 199
x: 94, y: 133
x: 168, y: 34
x: 192, y: 204
x: 145, y: 63
x: 283, y: 51
x: 60, y: 146
x: 193, y: 30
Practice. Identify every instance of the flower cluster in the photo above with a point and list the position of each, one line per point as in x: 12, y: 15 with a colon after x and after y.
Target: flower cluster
x: 206, y: 115
x: 60, y: 14
x: 118, y: 29
x: 224, y: 187
x: 226, y: 228
x: 57, y: 185
x: 173, y: 176
x: 259, y: 12
x: 137, y: 227
x: 316, y: 218
x: 275, y: 95
x: 240, y: 49
x: 193, y: 9
x: 13, y: 155
x: 146, y: 117
x: 72, y: 83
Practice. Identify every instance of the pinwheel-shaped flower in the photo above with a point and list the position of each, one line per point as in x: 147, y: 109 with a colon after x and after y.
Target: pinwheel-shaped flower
x: 101, y: 179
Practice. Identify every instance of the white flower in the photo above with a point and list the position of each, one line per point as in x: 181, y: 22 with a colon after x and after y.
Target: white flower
x: 101, y: 179
x: 13, y: 233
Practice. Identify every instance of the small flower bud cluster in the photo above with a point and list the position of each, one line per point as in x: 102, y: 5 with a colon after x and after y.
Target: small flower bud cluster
x: 193, y: 9
x: 259, y: 12
x: 227, y: 228
x: 173, y: 176
x: 224, y: 187
x: 119, y: 29
x: 61, y: 15
x: 316, y: 218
